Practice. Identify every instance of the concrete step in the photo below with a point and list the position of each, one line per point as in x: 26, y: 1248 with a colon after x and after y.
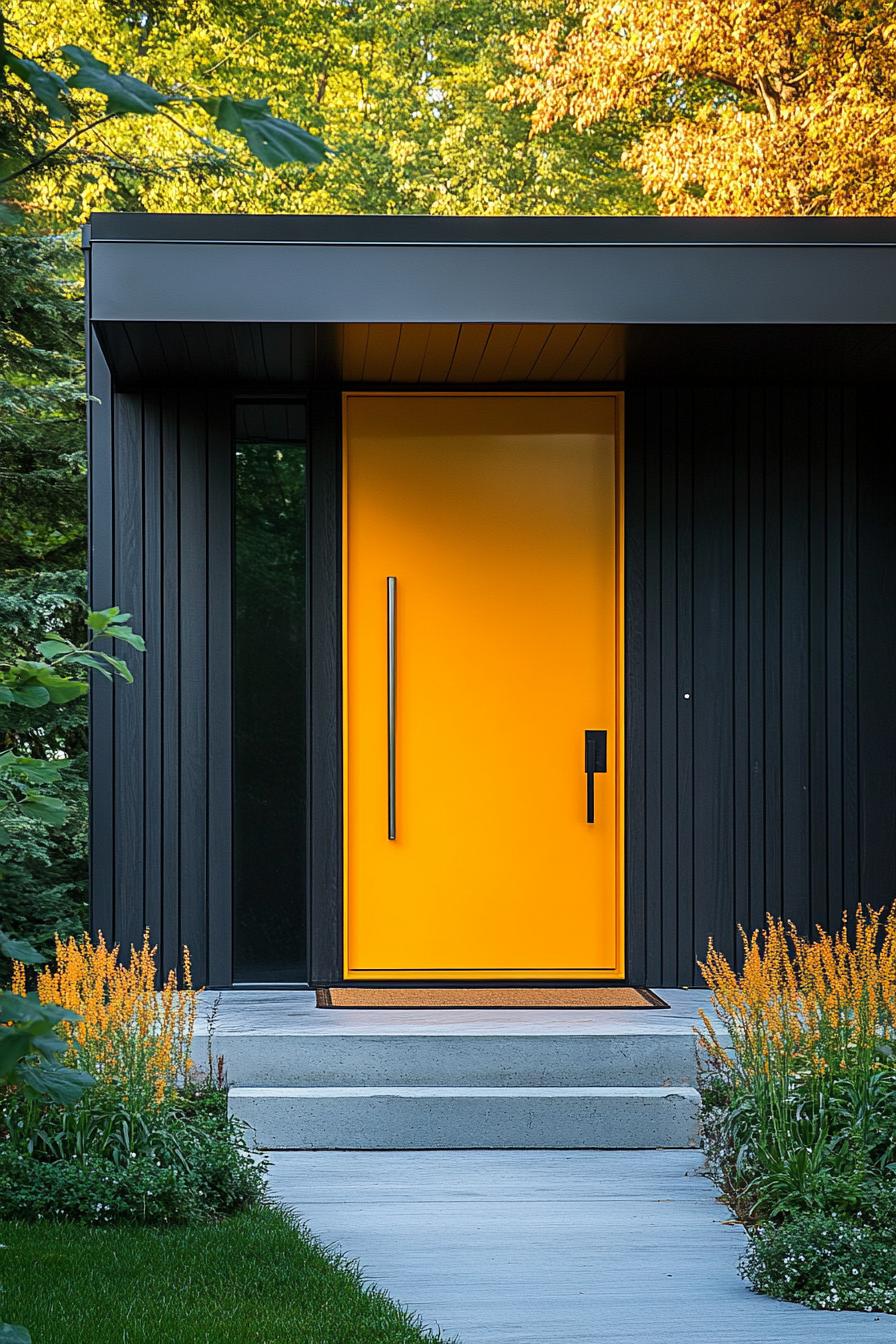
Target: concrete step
x: 463, y: 1059
x: 469, y: 1117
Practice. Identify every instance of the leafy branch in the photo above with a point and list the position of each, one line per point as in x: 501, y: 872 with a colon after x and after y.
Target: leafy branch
x: 56, y: 677
x: 272, y: 140
x: 29, y: 1043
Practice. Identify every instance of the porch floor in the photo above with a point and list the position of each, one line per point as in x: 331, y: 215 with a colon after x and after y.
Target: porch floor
x: 551, y: 1247
x: 292, y: 1012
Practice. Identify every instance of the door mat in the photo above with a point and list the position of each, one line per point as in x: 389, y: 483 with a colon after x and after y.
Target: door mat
x: 460, y: 996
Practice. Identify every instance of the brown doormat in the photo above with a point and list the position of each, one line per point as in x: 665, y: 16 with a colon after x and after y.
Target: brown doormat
x: 462, y: 996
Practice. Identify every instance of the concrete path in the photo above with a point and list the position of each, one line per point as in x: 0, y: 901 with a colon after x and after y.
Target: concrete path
x: 551, y: 1247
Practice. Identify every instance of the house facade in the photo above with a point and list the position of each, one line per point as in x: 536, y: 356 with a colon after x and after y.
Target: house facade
x: 518, y: 593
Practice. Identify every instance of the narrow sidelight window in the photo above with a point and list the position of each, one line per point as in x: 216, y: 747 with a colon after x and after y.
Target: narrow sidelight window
x: 269, y: 805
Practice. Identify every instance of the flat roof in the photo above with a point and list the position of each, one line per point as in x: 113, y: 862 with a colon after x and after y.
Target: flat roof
x: 502, y: 230
x: 303, y: 270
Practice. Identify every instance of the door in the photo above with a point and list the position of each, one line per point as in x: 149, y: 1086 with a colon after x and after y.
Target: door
x: 496, y: 516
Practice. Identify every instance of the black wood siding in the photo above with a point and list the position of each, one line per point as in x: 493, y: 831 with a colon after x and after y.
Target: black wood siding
x: 161, y: 749
x: 760, y: 648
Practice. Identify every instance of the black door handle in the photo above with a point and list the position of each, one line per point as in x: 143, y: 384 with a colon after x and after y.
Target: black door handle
x: 595, y: 764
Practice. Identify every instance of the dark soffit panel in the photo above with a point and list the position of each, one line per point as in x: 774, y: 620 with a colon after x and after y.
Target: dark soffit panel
x: 256, y: 355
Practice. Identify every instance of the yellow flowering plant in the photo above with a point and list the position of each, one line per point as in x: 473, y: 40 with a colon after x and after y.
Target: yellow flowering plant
x: 133, y: 1038
x: 800, y: 1082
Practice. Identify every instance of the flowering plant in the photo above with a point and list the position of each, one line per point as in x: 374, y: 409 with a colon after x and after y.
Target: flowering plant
x: 799, y: 1078
x: 132, y: 1038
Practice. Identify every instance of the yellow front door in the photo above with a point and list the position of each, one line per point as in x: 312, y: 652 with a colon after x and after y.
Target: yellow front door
x: 498, y: 518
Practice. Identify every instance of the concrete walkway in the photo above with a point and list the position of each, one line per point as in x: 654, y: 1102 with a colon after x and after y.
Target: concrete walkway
x: 551, y: 1247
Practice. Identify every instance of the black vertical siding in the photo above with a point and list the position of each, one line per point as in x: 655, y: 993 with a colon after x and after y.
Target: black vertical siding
x: 324, y: 687
x: 161, y: 749
x: 760, y: 576
x: 219, y: 691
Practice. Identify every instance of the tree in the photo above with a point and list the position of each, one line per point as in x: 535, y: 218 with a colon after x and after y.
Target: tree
x: 94, y: 96
x: 401, y: 90
x: 42, y: 557
x: 746, y: 106
x: 33, y: 767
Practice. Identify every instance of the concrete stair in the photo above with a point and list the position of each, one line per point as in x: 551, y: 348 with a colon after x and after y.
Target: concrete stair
x: 469, y: 1117
x: 394, y: 1089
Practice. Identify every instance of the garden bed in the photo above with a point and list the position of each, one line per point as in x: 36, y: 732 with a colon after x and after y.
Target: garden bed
x: 799, y: 1109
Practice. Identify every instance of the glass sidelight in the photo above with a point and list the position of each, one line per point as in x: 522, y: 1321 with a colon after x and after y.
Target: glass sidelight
x: 269, y: 826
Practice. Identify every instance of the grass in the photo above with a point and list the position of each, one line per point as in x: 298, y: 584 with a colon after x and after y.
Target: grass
x: 255, y: 1278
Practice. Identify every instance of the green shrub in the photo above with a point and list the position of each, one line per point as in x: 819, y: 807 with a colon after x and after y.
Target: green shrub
x: 100, y: 1164
x: 833, y: 1160
x: 826, y: 1261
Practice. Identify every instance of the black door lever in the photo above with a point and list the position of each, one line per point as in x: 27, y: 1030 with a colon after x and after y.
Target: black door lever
x: 595, y: 764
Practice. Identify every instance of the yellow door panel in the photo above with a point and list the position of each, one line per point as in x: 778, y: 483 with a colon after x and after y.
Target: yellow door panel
x: 497, y: 516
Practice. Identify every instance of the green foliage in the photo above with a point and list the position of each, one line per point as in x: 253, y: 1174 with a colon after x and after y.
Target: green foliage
x: 42, y: 556
x: 42, y: 458
x: 401, y: 91
x: 42, y: 876
x: 836, y: 1160
x: 47, y: 87
x: 56, y: 677
x: 828, y: 1261
x: 271, y: 139
x: 124, y: 95
x: 30, y: 1047
x: 100, y: 1163
x: 28, y: 783
x: 18, y: 949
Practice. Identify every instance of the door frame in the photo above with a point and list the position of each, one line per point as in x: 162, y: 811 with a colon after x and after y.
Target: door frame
x: 325, y: 502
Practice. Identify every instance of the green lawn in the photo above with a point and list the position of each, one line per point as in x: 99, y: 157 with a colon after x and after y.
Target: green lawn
x: 252, y: 1279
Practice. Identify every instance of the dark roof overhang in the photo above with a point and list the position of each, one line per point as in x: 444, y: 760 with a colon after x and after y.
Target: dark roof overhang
x: 147, y: 273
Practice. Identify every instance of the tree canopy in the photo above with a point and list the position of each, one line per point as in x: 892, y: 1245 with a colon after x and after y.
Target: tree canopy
x: 399, y: 90
x: 747, y: 107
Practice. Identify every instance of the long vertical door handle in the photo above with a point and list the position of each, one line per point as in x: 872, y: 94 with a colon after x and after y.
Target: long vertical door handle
x: 595, y: 764
x: 390, y: 695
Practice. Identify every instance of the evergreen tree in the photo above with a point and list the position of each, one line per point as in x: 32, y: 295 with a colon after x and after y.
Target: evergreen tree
x: 42, y: 560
